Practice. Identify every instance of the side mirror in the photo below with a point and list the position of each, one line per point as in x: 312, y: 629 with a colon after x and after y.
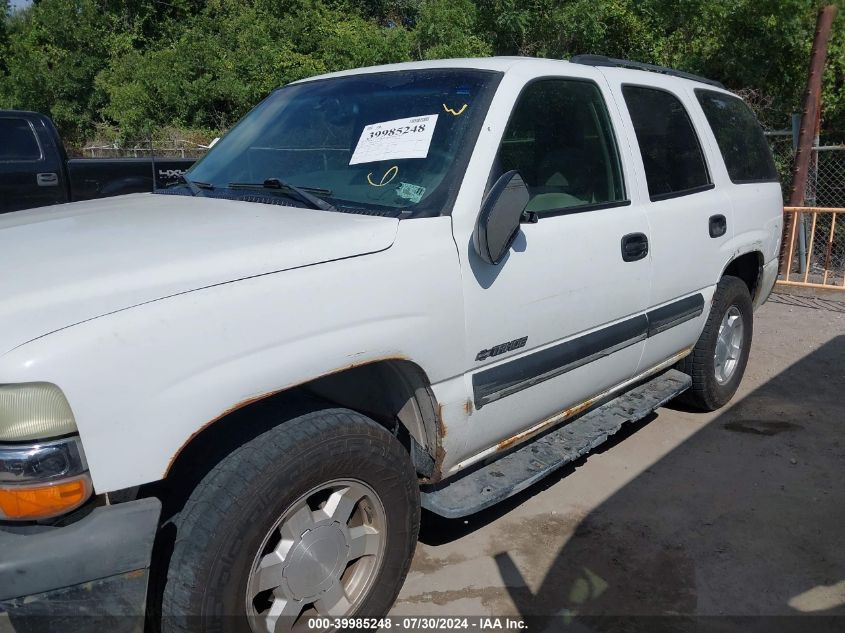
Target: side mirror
x: 501, y: 213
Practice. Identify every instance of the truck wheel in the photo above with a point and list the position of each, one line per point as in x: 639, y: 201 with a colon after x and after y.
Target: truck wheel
x: 315, y: 518
x: 718, y: 360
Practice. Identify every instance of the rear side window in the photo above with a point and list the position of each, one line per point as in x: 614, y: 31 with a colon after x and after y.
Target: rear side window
x: 740, y: 137
x: 672, y: 157
x: 17, y: 140
x: 560, y: 140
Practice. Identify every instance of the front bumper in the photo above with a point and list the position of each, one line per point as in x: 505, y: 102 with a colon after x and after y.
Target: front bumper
x: 87, y: 576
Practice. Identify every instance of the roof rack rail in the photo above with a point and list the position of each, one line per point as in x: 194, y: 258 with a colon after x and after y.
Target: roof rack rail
x: 601, y: 60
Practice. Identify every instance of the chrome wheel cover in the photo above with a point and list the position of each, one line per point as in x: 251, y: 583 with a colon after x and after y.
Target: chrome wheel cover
x: 320, y: 558
x: 728, y: 345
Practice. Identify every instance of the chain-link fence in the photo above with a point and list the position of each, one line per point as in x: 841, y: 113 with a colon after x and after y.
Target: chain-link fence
x: 826, y: 182
x: 178, y: 148
x: 782, y: 151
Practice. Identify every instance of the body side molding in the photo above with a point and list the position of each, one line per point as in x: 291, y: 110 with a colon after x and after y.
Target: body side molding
x: 526, y: 371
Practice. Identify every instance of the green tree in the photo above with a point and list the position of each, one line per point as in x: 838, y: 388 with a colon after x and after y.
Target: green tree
x: 448, y: 28
x: 4, y: 35
x: 833, y: 89
x: 761, y: 45
x: 144, y: 64
x: 556, y: 29
x: 220, y: 63
x: 53, y: 53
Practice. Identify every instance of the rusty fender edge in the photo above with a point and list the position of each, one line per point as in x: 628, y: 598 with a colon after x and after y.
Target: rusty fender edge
x: 95, y: 567
x: 269, y: 394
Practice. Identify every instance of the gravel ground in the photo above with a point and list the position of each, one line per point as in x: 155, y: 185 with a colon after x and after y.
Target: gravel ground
x: 738, y: 514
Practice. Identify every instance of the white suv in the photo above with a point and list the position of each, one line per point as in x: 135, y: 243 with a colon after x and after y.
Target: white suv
x: 418, y: 285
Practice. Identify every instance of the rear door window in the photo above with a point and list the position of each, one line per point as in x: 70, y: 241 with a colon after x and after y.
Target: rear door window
x: 18, y: 140
x: 739, y: 136
x: 560, y: 140
x: 672, y: 156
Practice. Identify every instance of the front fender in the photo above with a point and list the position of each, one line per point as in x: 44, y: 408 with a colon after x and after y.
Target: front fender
x: 143, y: 381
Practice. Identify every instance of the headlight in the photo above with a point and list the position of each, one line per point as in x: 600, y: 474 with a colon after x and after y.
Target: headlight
x: 34, y: 411
x: 40, y: 477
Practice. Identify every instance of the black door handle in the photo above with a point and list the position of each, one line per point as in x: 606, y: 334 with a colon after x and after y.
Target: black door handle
x: 718, y: 225
x: 634, y: 247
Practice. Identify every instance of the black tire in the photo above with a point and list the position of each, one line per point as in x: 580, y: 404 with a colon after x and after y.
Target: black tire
x: 226, y: 518
x: 706, y: 393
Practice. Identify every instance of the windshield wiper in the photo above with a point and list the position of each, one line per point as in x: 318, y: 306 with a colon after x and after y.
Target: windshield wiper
x: 195, y: 186
x: 300, y: 193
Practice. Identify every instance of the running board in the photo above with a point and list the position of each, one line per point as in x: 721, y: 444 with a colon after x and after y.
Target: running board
x: 498, y: 480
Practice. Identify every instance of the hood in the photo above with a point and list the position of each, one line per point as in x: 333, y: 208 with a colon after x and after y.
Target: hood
x: 66, y: 264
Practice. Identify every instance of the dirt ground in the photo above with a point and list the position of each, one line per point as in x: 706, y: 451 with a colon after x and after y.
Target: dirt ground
x: 738, y: 514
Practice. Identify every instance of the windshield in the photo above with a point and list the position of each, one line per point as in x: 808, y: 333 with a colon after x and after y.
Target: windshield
x: 388, y: 142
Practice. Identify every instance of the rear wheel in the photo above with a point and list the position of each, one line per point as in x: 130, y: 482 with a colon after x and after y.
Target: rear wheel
x: 315, y: 518
x: 717, y: 362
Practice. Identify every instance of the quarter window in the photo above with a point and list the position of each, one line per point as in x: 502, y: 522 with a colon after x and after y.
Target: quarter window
x: 18, y: 140
x: 740, y: 137
x: 561, y: 142
x: 672, y: 157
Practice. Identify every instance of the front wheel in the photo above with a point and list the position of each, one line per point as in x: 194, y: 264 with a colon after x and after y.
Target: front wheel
x: 717, y: 362
x: 313, y: 520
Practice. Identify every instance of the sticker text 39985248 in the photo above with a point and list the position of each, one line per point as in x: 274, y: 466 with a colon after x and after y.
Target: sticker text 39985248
x: 397, y: 139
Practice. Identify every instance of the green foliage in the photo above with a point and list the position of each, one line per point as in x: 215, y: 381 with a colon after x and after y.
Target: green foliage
x: 54, y: 52
x: 4, y: 33
x: 549, y: 28
x: 136, y: 66
x: 447, y: 28
x: 761, y: 45
x: 833, y: 90
x: 216, y: 67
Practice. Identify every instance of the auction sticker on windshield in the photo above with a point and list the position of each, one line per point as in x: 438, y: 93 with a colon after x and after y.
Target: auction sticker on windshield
x: 390, y: 140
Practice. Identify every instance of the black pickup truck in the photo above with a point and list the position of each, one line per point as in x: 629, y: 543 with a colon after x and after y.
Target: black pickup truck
x: 35, y: 170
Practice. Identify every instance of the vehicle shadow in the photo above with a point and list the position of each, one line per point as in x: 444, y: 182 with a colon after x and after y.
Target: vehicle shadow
x: 739, y: 528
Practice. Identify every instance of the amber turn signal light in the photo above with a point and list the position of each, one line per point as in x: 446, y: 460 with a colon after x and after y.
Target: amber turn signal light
x: 29, y: 503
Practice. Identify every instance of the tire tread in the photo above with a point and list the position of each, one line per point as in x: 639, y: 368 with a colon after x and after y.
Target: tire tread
x: 226, y: 484
x: 704, y: 395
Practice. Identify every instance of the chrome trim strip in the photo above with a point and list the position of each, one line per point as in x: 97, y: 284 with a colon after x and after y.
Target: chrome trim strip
x: 36, y: 462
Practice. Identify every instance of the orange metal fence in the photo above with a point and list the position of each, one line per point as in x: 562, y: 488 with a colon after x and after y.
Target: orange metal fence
x: 818, y: 262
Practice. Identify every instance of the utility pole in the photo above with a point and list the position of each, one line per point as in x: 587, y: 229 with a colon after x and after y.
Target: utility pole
x: 809, y: 118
